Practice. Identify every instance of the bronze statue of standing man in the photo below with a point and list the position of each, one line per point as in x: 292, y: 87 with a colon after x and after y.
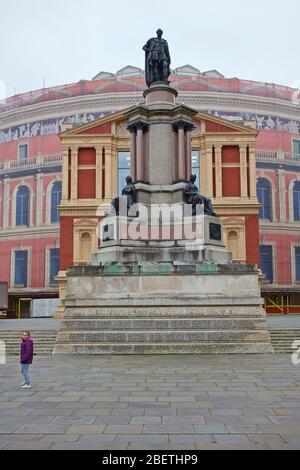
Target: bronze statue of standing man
x: 158, y: 60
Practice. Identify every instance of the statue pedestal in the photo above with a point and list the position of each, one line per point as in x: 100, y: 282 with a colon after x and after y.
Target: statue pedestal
x: 146, y: 292
x: 163, y: 308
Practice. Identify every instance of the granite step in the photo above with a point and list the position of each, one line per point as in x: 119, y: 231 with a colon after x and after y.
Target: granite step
x: 44, y: 341
x: 163, y: 348
x: 162, y: 336
x: 162, y: 324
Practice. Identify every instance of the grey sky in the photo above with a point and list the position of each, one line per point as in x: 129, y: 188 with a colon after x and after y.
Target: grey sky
x: 67, y: 40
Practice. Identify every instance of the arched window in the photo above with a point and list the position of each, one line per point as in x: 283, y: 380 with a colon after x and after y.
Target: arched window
x: 55, y: 201
x: 296, y: 196
x: 264, y: 196
x: 23, y: 206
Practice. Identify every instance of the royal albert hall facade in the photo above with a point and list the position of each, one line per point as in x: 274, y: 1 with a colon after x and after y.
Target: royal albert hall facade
x: 31, y: 166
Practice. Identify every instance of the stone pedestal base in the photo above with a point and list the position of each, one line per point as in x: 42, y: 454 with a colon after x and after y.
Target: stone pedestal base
x: 163, y: 308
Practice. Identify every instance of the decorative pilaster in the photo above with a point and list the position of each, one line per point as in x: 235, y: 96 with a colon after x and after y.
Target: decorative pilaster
x: 209, y: 171
x: 65, y: 174
x: 39, y: 199
x: 218, y: 170
x: 99, y: 173
x: 252, y: 171
x: 5, y: 206
x: 108, y: 173
x: 281, y: 195
x: 74, y: 173
x: 243, y: 171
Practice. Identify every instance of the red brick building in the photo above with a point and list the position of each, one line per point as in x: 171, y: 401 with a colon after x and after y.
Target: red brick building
x: 31, y: 159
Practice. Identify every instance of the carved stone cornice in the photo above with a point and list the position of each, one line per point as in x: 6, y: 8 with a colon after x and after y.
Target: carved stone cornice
x: 111, y: 102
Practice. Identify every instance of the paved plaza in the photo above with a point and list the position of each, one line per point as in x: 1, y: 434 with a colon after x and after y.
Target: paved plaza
x: 152, y: 402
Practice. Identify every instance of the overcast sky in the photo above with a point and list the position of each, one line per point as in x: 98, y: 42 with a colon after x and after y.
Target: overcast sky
x: 64, y: 41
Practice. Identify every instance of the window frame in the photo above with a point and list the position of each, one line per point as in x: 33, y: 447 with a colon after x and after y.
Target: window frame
x: 262, y: 215
x: 23, y: 144
x: 16, y: 215
x: 13, y: 267
x: 51, y: 201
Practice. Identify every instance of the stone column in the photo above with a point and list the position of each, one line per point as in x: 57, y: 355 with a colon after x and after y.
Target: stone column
x: 146, y: 155
x: 252, y: 165
x: 282, y: 195
x: 139, y: 153
x: 74, y: 173
x: 175, y: 156
x: 189, y: 154
x: 39, y: 199
x: 209, y: 171
x: 181, y: 153
x: 99, y: 173
x: 108, y: 176
x: 133, y: 153
x: 243, y: 171
x: 218, y: 170
x: 65, y: 174
x: 6, y: 201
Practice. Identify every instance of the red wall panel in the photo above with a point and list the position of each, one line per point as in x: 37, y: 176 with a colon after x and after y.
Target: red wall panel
x: 100, y: 129
x: 86, y: 184
x: 274, y: 140
x: 87, y: 156
x: 216, y: 127
x: 66, y: 242
x: 231, y: 182
x: 231, y: 154
x: 252, y: 239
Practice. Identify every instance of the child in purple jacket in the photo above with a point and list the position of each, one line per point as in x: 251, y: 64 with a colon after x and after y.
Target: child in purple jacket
x: 26, y: 357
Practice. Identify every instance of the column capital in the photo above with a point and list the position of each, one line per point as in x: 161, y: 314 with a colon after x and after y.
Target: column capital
x: 138, y: 126
x: 39, y: 176
x: 182, y: 124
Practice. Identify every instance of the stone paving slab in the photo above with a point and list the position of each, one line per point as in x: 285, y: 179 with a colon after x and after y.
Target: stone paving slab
x: 152, y: 402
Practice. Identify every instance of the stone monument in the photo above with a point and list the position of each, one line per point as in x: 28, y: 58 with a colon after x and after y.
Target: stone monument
x: 162, y: 281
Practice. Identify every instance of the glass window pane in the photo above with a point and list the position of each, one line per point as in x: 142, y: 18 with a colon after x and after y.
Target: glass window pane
x: 123, y: 170
x: 54, y: 265
x: 196, y: 166
x: 297, y: 262
x: 21, y: 263
x: 55, y: 201
x: 296, y: 195
x: 296, y: 147
x: 22, y: 206
x: 23, y: 151
x: 266, y: 262
x: 264, y: 196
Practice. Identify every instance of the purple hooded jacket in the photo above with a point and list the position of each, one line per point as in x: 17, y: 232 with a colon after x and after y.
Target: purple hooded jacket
x: 27, y: 351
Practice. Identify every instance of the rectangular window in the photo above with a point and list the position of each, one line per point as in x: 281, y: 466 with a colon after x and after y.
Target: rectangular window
x: 266, y: 262
x: 54, y: 265
x: 123, y: 170
x: 297, y: 263
x: 23, y: 152
x: 196, y: 166
x: 21, y: 268
x: 296, y: 147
